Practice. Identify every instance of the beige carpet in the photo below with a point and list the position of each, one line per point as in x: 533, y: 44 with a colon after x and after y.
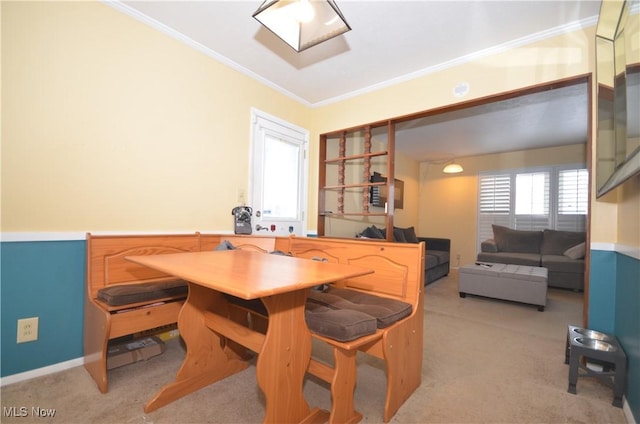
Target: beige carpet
x: 485, y: 361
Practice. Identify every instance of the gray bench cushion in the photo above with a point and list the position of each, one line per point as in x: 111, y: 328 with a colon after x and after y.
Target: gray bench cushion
x: 338, y: 324
x: 386, y: 311
x: 254, y: 305
x: 125, y: 294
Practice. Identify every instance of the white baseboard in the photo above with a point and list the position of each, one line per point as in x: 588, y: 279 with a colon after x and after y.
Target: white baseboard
x: 39, y: 372
x: 628, y: 414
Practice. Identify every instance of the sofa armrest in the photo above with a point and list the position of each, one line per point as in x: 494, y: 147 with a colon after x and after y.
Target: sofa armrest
x: 489, y: 246
x: 437, y: 243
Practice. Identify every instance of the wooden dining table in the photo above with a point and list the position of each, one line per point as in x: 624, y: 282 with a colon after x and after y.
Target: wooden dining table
x: 282, y: 283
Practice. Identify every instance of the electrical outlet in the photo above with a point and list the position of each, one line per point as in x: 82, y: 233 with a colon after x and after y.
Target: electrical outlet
x: 458, y: 256
x: 27, y: 330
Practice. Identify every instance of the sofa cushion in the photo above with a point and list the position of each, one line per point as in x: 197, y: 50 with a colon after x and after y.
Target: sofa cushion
x: 125, y: 294
x: 430, y: 261
x: 509, y: 240
x: 531, y: 259
x: 410, y: 235
x: 372, y: 232
x: 386, y: 311
x: 489, y: 246
x: 338, y: 324
x: 576, y: 252
x: 563, y: 264
x: 557, y: 242
x: 398, y: 235
x: 441, y: 256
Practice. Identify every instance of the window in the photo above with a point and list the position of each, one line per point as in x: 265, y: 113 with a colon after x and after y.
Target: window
x: 280, y: 179
x: 279, y: 171
x: 533, y: 199
x: 532, y: 193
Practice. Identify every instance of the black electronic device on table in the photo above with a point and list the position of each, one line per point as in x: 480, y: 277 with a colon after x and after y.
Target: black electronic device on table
x: 242, y: 219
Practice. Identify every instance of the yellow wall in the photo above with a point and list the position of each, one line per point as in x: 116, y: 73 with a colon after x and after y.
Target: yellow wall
x: 629, y: 214
x: 556, y: 58
x: 548, y: 60
x: 448, y: 203
x: 109, y: 124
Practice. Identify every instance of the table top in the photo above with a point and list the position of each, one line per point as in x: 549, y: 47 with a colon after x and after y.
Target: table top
x: 249, y: 274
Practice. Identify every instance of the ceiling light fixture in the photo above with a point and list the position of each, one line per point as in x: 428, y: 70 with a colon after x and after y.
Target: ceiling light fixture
x: 302, y: 23
x: 453, y: 168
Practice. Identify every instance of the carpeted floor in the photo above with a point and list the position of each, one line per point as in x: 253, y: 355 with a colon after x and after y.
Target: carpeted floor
x: 485, y: 361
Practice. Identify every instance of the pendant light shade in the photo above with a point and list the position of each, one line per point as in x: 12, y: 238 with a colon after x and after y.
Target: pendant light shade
x: 453, y: 168
x: 302, y: 23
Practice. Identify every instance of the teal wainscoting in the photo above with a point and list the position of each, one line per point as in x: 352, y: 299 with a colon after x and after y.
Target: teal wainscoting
x: 42, y: 279
x: 602, y: 291
x: 614, y: 307
x: 628, y: 324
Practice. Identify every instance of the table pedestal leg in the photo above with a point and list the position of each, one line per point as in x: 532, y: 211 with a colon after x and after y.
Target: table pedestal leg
x: 207, y: 359
x: 284, y: 358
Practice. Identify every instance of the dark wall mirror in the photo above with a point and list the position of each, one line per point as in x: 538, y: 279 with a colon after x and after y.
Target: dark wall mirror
x: 618, y: 78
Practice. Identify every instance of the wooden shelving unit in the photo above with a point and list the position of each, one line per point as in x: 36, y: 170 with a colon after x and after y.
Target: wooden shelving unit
x: 354, y: 149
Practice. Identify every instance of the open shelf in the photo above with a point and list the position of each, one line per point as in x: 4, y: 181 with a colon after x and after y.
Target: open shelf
x: 348, y: 160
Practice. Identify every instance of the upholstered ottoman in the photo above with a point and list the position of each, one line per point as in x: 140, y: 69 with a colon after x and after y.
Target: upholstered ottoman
x: 517, y: 283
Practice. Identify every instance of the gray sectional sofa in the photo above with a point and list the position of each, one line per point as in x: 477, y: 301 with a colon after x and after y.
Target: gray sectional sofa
x: 438, y: 250
x: 561, y: 252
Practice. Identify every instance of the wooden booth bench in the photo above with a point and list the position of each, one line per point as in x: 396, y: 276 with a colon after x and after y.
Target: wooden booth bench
x: 398, y: 275
x: 397, y: 339
x: 394, y: 335
x: 123, y: 298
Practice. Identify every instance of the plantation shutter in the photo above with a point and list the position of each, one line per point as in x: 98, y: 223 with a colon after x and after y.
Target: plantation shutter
x: 533, y: 199
x: 573, y: 199
x: 495, y: 203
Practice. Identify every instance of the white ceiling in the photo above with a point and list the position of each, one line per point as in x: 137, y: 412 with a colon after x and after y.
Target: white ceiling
x: 550, y: 118
x: 393, y: 41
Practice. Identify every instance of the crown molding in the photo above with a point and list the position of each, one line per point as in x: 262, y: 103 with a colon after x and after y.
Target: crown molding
x: 532, y: 38
x: 134, y: 13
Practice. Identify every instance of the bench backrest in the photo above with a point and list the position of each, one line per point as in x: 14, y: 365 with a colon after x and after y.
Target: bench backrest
x: 106, y: 264
x: 398, y: 266
x: 259, y: 243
